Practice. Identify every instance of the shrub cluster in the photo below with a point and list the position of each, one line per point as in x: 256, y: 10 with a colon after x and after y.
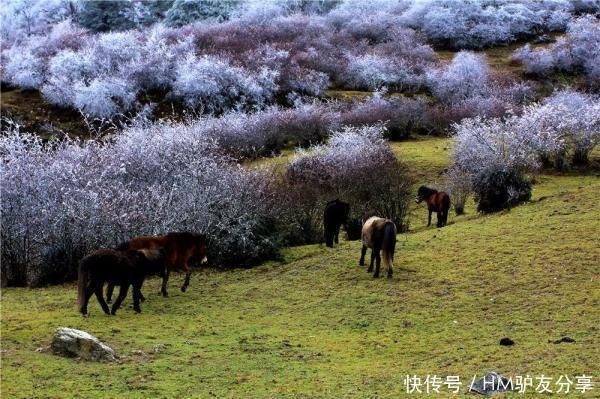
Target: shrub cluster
x: 62, y: 199
x: 259, y: 55
x: 477, y: 24
x: 498, y: 153
x: 356, y: 165
x: 59, y: 201
x: 577, y: 51
x: 244, y: 63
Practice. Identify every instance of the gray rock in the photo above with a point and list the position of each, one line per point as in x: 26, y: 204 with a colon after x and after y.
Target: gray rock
x: 491, y: 383
x: 159, y: 348
x: 76, y: 343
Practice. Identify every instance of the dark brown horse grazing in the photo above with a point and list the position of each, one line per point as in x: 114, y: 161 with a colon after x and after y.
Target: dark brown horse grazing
x: 335, y: 215
x: 379, y: 234
x: 123, y: 268
x: 179, y: 248
x: 437, y: 201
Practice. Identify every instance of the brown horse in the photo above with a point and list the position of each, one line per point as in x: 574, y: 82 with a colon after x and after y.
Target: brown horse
x: 379, y: 234
x: 437, y: 201
x: 123, y: 268
x: 178, y: 247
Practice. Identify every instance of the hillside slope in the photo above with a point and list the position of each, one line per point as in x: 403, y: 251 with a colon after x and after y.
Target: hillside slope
x: 317, y: 325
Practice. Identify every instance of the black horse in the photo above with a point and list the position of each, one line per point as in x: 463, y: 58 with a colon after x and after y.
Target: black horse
x: 122, y: 268
x: 336, y: 214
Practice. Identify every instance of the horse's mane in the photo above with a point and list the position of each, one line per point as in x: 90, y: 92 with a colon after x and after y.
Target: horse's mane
x: 122, y: 246
x: 186, y: 235
x: 427, y: 190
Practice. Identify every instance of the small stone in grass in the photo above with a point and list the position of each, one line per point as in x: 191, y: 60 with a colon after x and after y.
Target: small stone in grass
x: 507, y: 342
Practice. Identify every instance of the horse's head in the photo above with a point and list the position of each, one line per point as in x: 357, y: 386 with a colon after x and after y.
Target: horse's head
x: 345, y: 209
x: 201, y: 248
x: 424, y: 193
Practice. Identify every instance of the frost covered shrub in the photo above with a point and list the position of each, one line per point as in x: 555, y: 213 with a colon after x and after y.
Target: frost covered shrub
x: 372, y: 72
x: 578, y: 50
x: 251, y: 135
x: 477, y: 24
x: 466, y: 76
x: 216, y: 85
x: 401, y: 116
x: 356, y: 165
x: 104, y: 97
x: 23, y: 18
x: 24, y: 69
x: 567, y: 121
x: 497, y: 156
x: 62, y: 200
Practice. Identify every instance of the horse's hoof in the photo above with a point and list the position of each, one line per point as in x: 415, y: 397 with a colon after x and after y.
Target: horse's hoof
x: 389, y: 275
x: 138, y: 310
x: 164, y: 294
x: 376, y: 276
x: 183, y: 288
x: 114, y: 313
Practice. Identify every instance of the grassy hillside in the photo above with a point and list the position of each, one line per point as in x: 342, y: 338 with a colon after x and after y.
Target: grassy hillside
x: 317, y: 325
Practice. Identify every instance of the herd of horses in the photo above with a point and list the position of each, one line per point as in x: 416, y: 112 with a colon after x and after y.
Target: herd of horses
x: 132, y: 261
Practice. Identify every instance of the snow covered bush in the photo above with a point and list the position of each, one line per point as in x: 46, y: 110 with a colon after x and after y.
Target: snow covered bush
x: 214, y: 84
x: 62, y: 200
x: 104, y: 97
x: 578, y: 50
x: 355, y: 165
x: 371, y: 72
x: 466, y: 76
x: 497, y: 156
x: 401, y: 116
x: 566, y: 122
x: 477, y: 24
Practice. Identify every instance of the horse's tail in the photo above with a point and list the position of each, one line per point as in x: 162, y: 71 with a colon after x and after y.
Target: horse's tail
x: 82, y: 283
x: 388, y: 246
x: 446, y: 202
x: 446, y: 207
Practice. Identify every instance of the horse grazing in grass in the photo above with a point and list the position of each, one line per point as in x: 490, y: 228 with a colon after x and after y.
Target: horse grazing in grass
x: 335, y: 215
x: 379, y: 234
x: 179, y: 249
x: 123, y: 268
x: 437, y: 201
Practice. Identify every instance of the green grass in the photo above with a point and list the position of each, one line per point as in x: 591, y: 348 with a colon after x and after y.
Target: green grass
x: 317, y: 325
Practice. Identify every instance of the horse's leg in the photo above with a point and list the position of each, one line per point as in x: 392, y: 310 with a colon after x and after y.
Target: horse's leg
x: 89, y: 291
x: 440, y: 218
x: 99, y: 295
x: 163, y: 288
x: 370, y: 269
x: 378, y: 259
x: 328, y: 237
x: 429, y: 219
x: 363, y: 252
x: 120, y: 297
x: 188, y: 274
x: 137, y: 295
x: 109, y: 291
x: 337, y: 234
